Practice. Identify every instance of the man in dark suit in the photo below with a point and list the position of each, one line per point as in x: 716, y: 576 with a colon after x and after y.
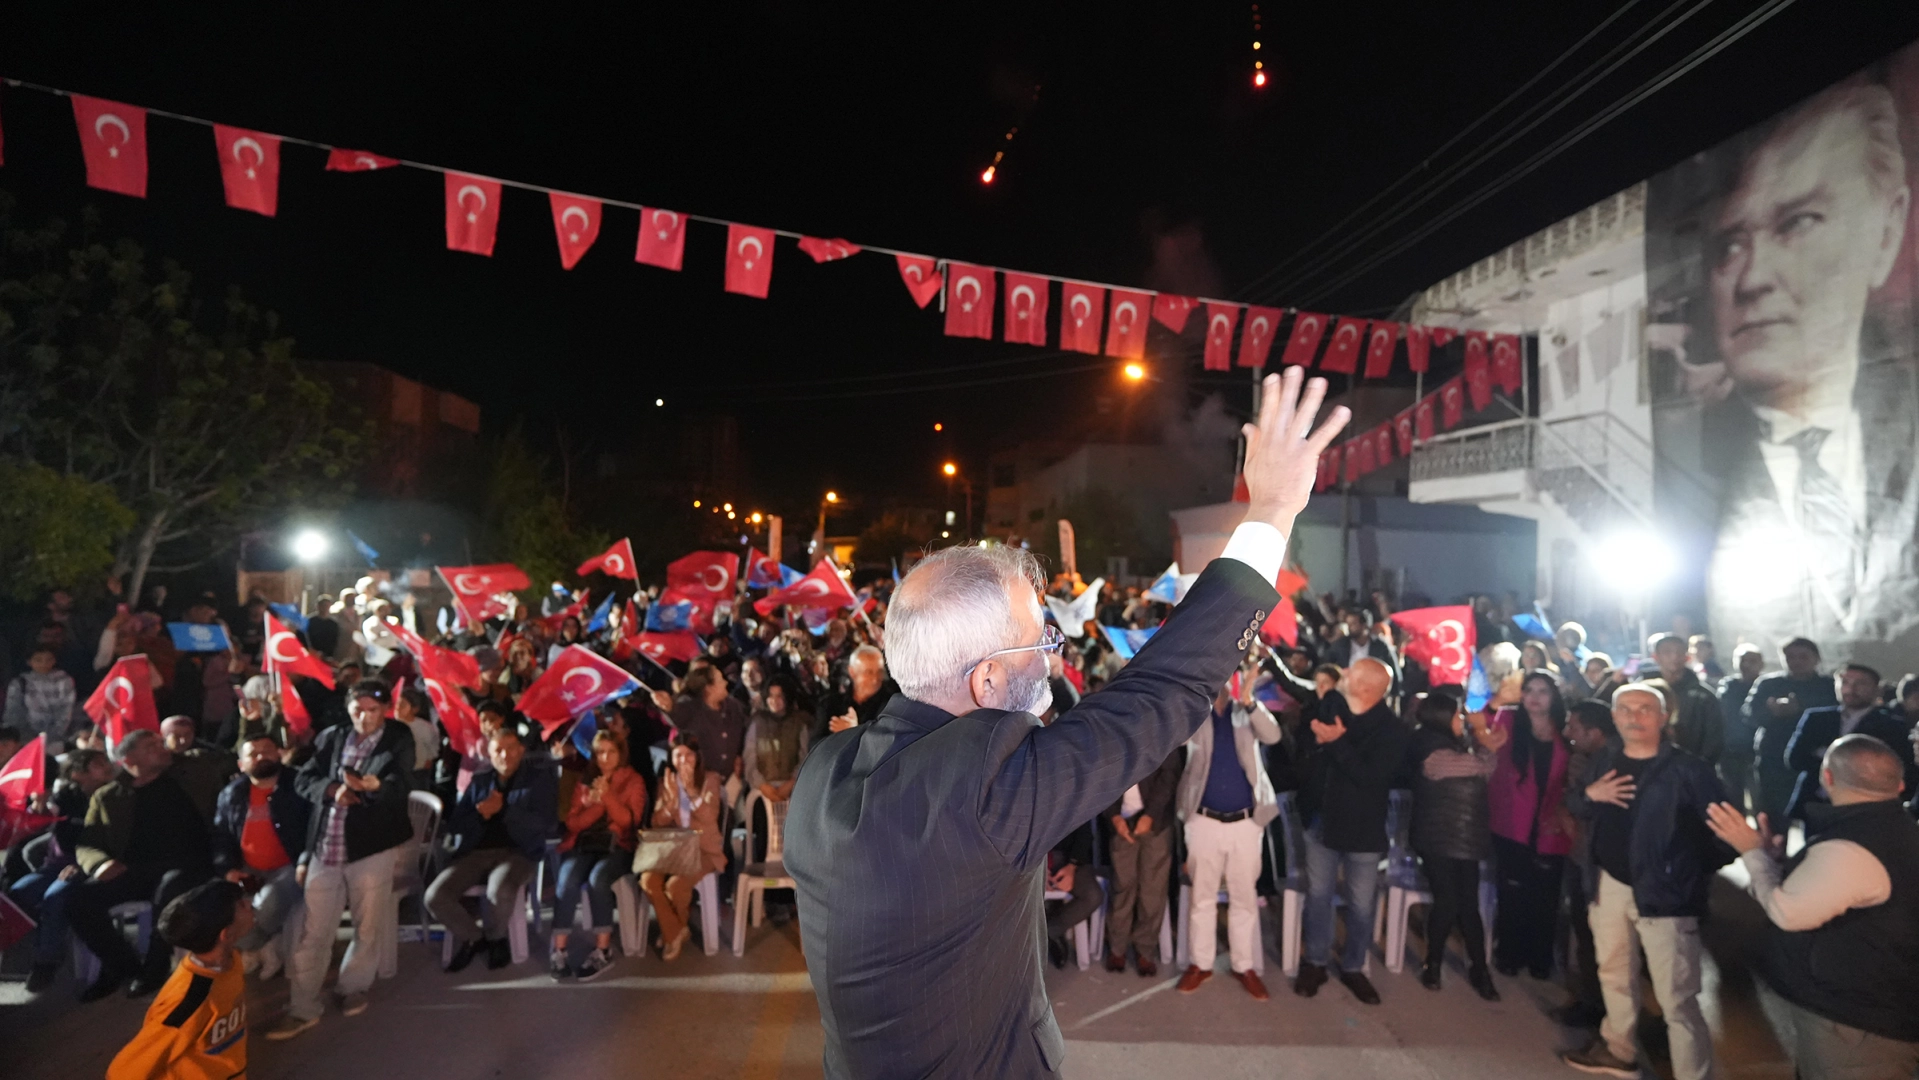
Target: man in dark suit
x: 1777, y: 702
x: 919, y: 841
x: 1858, y: 713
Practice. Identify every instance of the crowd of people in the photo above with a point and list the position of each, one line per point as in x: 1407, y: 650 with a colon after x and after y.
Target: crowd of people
x: 1595, y: 799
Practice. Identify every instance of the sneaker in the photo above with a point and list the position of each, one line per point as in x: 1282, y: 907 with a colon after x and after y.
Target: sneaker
x: 270, y: 962
x: 249, y: 961
x: 595, y: 963
x: 498, y: 954
x: 556, y: 964
x: 1600, y: 1061
x: 463, y: 955
x: 41, y: 977
x: 288, y: 1027
x: 352, y: 1004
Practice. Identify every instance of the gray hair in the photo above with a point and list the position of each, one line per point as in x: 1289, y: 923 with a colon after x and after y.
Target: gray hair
x: 1656, y: 687
x: 1865, y: 765
x: 951, y: 611
x: 130, y: 740
x: 1872, y: 106
x: 866, y: 651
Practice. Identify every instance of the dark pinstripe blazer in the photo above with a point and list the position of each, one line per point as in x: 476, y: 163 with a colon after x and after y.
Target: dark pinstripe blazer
x: 919, y: 844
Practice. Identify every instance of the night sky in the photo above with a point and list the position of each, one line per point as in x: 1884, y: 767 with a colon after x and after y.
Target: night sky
x: 1148, y: 158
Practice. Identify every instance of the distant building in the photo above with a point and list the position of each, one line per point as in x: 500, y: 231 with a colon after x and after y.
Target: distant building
x: 420, y: 432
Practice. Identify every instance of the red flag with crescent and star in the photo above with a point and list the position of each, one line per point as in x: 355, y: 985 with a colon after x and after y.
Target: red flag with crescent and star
x: 1479, y: 378
x: 1419, y: 346
x: 821, y: 589
x: 1442, y: 639
x: 824, y: 251
x: 339, y: 160
x: 710, y: 572
x: 761, y: 571
x: 969, y: 300
x: 476, y: 589
x: 123, y: 701
x: 436, y: 662
x: 1506, y: 362
x: 662, y: 238
x: 284, y: 653
x: 578, y: 681
x: 1423, y: 419
x: 456, y: 714
x: 1026, y: 296
x: 1308, y: 328
x: 1328, y: 474
x: 1081, y: 310
x: 1452, y: 402
x: 1443, y: 336
x: 1380, y: 341
x: 1342, y: 355
x: 576, y: 224
x: 1126, y: 324
x: 1221, y: 320
x: 1262, y: 323
x: 1403, y: 432
x: 22, y: 778
x: 922, y: 277
x: 1368, y: 455
x: 661, y: 647
x: 616, y: 561
x: 299, y: 720
x: 113, y: 138
x: 1383, y: 436
x: 249, y: 168
x: 1172, y: 311
x: 472, y: 213
x: 749, y: 260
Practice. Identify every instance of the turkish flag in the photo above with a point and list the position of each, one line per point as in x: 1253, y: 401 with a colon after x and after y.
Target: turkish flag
x: 1221, y: 320
x: 1423, y: 419
x: 1262, y: 323
x: 1507, y: 360
x: 1172, y: 311
x: 113, y: 138
x: 448, y: 665
x: 338, y: 160
x: 1379, y: 348
x: 578, y: 681
x: 285, y: 654
x: 1479, y: 380
x: 576, y: 224
x: 123, y: 701
x: 1351, y: 464
x: 1308, y: 328
x: 1126, y: 326
x: 1442, y: 640
x: 1327, y: 472
x: 472, y: 213
x: 1081, y: 310
x: 250, y: 168
x: 662, y: 238
x: 1026, y: 296
x: 1443, y: 336
x: 1419, y: 346
x: 456, y: 715
x: 1383, y: 436
x: 659, y: 647
x: 1368, y: 458
x: 1403, y: 432
x: 762, y: 571
x: 922, y: 278
x: 1342, y: 356
x: 617, y: 561
x: 821, y: 589
x: 709, y: 572
x: 1452, y: 402
x: 476, y: 589
x: 828, y: 250
x: 749, y: 260
x: 1283, y: 624
x: 24, y: 775
x: 291, y: 704
x: 969, y: 301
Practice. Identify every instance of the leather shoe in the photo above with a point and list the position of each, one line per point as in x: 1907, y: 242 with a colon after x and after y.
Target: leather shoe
x: 1310, y: 978
x: 1115, y: 962
x: 1148, y: 969
x: 102, y: 987
x: 1361, y: 986
x: 1191, y: 981
x: 498, y: 954
x: 464, y: 955
x: 1429, y: 976
x: 1056, y: 951
x: 1254, y: 985
x: 1482, y: 984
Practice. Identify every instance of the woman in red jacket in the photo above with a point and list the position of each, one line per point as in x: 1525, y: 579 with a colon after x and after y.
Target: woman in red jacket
x: 601, y: 829
x: 1532, y: 832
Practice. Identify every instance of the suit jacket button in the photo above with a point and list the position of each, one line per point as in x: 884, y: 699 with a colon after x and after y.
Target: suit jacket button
x: 1259, y: 616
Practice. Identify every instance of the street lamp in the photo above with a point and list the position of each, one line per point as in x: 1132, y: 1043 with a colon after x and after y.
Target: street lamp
x: 1639, y: 560
x: 309, y: 547
x: 952, y: 471
x: 1134, y: 372
x: 819, y: 534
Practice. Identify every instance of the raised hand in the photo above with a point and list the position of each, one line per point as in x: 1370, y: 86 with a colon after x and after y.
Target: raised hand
x: 1728, y: 823
x: 1282, y: 448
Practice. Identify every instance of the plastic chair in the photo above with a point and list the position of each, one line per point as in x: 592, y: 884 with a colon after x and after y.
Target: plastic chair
x: 626, y: 911
x: 1407, y: 886
x: 1293, y: 897
x: 86, y: 966
x: 547, y: 870
x: 1082, y: 930
x: 411, y: 874
x: 515, y: 925
x: 769, y: 873
x: 708, y: 892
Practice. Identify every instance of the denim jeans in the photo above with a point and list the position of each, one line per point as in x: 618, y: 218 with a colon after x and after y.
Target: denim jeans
x: 271, y: 907
x: 597, y: 871
x: 43, y: 896
x: 1358, y: 887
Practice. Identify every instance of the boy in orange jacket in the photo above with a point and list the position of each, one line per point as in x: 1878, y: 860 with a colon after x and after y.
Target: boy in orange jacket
x: 196, y: 1028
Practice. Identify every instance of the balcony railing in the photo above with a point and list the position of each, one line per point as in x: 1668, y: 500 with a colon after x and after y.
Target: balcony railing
x: 1594, y: 467
x: 1475, y: 451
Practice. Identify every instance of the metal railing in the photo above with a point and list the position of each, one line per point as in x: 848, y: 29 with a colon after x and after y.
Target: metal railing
x: 1474, y: 451
x: 1592, y: 465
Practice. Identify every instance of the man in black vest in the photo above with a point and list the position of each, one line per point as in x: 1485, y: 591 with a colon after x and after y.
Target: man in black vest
x: 1841, y: 958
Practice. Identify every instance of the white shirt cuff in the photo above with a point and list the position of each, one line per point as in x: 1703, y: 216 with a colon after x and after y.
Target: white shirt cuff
x: 1259, y: 546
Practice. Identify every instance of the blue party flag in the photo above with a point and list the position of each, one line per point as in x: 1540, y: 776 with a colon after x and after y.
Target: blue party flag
x: 1127, y: 642
x: 365, y: 549
x: 666, y: 618
x: 199, y: 637
x: 599, y: 614
x: 290, y: 615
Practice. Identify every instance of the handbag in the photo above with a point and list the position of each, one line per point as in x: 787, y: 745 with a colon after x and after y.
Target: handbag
x: 672, y: 852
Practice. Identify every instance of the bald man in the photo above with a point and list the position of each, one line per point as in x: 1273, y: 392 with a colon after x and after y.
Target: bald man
x: 1840, y: 958
x: 1351, y: 750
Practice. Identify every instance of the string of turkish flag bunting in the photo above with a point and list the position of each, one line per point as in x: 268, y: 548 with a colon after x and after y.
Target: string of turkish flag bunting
x: 1094, y: 318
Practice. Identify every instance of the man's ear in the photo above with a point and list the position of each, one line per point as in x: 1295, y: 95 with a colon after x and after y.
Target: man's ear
x: 984, y: 682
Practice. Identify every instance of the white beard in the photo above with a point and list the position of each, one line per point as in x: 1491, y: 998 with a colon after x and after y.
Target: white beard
x: 1030, y: 695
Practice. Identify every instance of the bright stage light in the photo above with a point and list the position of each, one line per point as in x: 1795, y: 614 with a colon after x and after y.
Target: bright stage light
x: 1634, y: 559
x: 310, y: 546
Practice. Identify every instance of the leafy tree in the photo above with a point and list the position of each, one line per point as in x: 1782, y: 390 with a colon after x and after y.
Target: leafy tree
x: 1106, y: 524
x: 892, y: 536
x: 199, y: 421
x: 55, y: 529
x: 527, y: 523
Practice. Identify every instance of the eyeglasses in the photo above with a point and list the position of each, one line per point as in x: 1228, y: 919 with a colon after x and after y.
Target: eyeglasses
x: 1050, y: 640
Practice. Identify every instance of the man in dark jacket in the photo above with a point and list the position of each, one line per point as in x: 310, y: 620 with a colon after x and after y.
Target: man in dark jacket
x: 1653, y: 859
x: 1141, y: 851
x: 1778, y: 701
x: 1697, y: 726
x: 1069, y: 870
x: 1858, y: 712
x: 500, y: 829
x: 260, y: 835
x: 357, y: 781
x: 1735, y: 762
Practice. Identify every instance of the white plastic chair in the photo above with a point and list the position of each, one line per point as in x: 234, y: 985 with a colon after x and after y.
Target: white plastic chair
x: 1407, y: 886
x: 708, y: 892
x: 626, y: 911
x: 86, y: 966
x: 1082, y: 930
x: 515, y: 925
x: 1292, y: 928
x: 411, y: 873
x: 768, y: 873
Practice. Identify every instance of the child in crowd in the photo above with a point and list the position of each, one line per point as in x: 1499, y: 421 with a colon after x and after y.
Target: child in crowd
x: 196, y: 1028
